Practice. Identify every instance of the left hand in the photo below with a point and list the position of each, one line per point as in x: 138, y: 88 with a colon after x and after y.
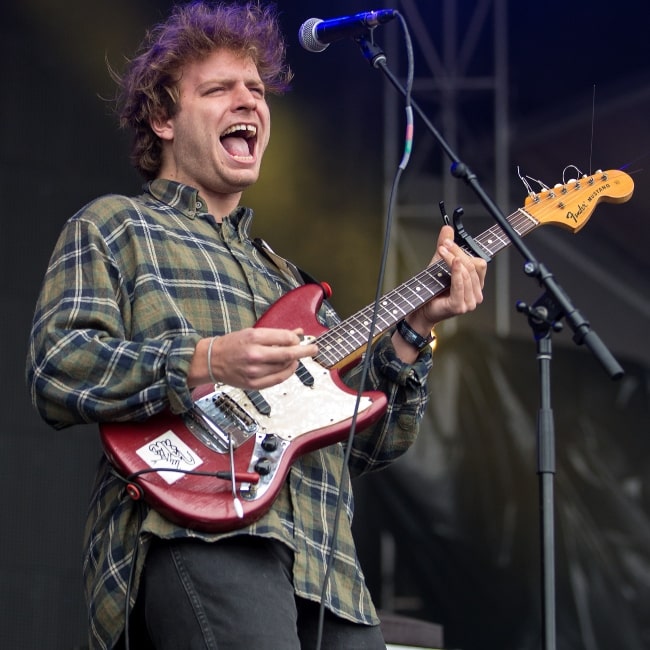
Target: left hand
x: 467, y: 281
x: 464, y: 295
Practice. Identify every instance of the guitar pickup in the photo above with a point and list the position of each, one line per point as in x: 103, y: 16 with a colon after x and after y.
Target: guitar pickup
x: 304, y: 375
x: 258, y: 401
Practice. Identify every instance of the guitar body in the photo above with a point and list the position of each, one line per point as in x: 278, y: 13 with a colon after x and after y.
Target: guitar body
x: 269, y: 430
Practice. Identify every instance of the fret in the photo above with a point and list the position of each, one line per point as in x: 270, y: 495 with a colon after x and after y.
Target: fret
x: 327, y: 356
x: 417, y: 292
x: 357, y: 324
x: 391, y: 311
x: 493, y: 240
x: 340, y: 341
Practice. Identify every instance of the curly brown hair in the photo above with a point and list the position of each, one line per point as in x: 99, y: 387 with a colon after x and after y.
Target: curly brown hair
x: 149, y: 86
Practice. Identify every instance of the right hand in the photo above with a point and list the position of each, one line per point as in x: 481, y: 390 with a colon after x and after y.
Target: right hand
x: 252, y: 358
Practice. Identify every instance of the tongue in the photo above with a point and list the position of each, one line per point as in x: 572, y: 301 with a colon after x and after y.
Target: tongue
x: 235, y: 146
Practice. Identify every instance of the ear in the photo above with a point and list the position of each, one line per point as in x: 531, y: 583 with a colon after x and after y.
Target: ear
x: 163, y: 127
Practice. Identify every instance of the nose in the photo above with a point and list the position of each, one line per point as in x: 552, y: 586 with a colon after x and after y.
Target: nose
x: 244, y: 98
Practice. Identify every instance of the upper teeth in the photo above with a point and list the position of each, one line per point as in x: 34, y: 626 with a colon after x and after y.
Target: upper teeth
x: 252, y: 130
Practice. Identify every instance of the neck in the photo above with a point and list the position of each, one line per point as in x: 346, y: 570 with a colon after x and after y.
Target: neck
x: 220, y: 206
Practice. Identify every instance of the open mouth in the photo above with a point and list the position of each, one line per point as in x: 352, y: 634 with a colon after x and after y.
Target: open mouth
x: 239, y: 141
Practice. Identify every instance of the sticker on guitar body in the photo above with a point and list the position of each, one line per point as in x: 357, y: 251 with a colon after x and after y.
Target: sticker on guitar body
x: 169, y: 451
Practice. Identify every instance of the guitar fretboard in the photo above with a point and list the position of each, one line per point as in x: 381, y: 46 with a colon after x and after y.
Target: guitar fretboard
x: 353, y: 333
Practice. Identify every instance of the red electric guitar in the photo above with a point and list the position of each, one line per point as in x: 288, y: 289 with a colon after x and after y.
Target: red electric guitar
x: 221, y: 465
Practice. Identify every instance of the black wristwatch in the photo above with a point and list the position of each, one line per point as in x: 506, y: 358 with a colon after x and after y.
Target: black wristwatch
x: 418, y: 341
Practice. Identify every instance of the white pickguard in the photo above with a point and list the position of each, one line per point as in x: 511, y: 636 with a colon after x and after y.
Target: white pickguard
x: 297, y: 409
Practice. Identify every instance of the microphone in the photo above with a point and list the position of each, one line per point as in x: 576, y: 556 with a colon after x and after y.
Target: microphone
x: 316, y: 34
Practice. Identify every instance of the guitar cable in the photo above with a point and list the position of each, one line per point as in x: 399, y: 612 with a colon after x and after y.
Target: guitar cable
x: 408, y: 145
x: 135, y: 490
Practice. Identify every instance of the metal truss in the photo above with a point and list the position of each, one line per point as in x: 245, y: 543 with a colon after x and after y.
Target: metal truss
x: 461, y: 84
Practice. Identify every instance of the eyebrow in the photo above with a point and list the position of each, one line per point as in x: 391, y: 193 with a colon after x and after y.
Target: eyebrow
x: 230, y: 81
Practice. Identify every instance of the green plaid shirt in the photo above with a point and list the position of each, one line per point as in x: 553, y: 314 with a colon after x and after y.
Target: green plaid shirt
x: 131, y: 287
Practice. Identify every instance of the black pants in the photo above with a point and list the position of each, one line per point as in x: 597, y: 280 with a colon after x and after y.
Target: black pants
x: 236, y: 594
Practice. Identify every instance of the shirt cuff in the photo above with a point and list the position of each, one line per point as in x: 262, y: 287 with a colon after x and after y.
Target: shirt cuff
x: 412, y: 375
x: 179, y: 358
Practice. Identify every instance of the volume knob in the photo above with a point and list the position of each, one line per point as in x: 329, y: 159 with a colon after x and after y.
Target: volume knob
x: 270, y: 442
x: 263, y: 466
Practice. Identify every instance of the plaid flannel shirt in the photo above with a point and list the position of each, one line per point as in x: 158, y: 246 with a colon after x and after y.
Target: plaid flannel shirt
x: 132, y: 285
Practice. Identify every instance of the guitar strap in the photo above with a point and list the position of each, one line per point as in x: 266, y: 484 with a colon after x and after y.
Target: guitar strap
x: 302, y: 277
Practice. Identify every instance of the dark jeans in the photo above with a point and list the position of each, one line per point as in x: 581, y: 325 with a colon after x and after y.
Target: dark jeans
x: 236, y: 594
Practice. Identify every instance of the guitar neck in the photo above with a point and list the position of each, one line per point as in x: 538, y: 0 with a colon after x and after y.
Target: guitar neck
x: 345, y: 341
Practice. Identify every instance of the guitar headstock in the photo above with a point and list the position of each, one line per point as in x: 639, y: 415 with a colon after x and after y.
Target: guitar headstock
x: 570, y: 205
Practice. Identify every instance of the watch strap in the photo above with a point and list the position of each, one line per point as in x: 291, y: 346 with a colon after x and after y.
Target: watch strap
x: 412, y: 337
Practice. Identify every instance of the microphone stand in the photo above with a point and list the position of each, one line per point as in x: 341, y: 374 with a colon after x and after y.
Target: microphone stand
x: 544, y: 317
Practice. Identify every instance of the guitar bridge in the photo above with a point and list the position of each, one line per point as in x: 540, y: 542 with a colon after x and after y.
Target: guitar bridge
x: 216, y: 419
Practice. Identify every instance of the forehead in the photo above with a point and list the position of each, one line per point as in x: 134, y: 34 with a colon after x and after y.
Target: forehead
x: 220, y: 64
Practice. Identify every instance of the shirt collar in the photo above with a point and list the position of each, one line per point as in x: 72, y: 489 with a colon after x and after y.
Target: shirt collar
x: 183, y: 198
x: 186, y: 200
